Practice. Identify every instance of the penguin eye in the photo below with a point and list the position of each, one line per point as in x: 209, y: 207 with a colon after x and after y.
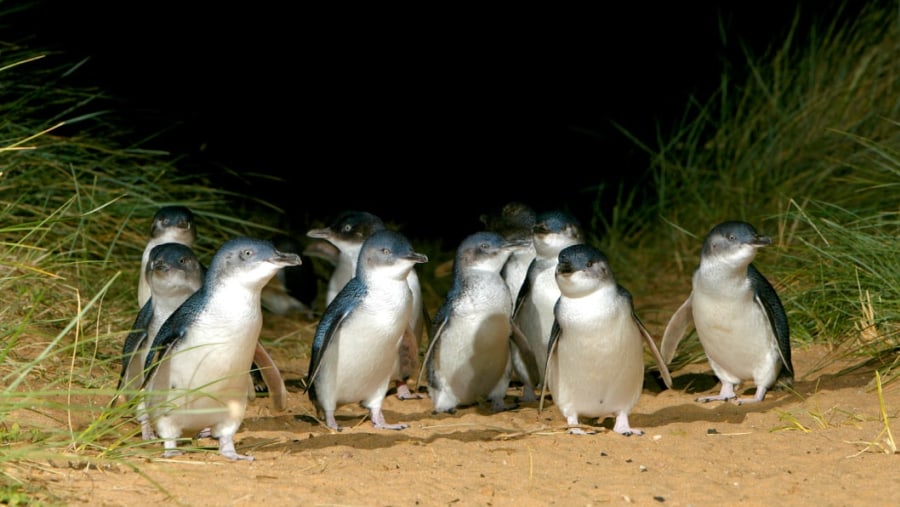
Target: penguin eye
x: 732, y: 237
x: 386, y: 251
x: 348, y: 228
x: 590, y: 264
x: 485, y: 246
x: 246, y: 254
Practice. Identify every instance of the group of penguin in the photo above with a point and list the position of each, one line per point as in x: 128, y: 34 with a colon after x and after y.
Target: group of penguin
x: 530, y: 302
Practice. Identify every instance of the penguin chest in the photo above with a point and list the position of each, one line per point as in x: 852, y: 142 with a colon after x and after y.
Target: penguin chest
x: 535, y: 317
x: 474, y: 346
x: 364, y: 351
x: 736, y: 335
x: 216, y: 352
x: 597, y: 368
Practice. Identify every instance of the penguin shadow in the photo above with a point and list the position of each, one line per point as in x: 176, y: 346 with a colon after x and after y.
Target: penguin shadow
x: 693, y: 385
x: 357, y: 431
x: 363, y: 440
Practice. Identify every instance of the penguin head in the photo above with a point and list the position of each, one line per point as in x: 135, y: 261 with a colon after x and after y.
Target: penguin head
x: 484, y: 250
x: 581, y: 269
x: 388, y: 252
x: 173, y: 269
x: 514, y: 221
x: 555, y: 230
x: 734, y: 242
x: 174, y: 223
x: 349, y: 229
x: 249, y: 262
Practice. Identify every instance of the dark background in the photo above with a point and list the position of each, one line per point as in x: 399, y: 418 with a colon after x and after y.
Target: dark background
x: 426, y: 116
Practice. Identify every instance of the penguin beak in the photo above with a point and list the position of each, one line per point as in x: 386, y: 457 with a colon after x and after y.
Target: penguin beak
x: 564, y: 268
x: 417, y: 257
x: 761, y: 241
x: 516, y: 243
x: 286, y: 259
x: 319, y: 233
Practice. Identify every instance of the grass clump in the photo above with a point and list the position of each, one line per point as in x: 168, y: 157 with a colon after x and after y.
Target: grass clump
x: 76, y: 200
x: 807, y: 149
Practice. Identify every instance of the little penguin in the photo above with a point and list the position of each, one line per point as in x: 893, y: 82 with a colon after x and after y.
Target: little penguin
x: 173, y: 273
x: 171, y: 224
x: 533, y: 310
x: 515, y: 222
x: 355, y: 349
x: 737, y: 314
x: 595, y: 363
x: 347, y: 231
x: 175, y: 224
x: 468, y: 358
x: 197, y: 369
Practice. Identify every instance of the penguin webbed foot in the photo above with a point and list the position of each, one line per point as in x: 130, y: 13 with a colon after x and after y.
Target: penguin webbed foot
x: 451, y: 411
x: 580, y: 431
x: 385, y: 426
x: 707, y: 399
x: 379, y: 423
x: 404, y: 393
x: 500, y: 405
x: 758, y: 397
x: 725, y: 394
x: 623, y: 427
x: 226, y: 448
x: 330, y: 422
x: 528, y: 395
x: 259, y: 384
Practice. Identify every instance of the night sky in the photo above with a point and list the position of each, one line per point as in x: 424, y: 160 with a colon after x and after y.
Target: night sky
x: 427, y: 117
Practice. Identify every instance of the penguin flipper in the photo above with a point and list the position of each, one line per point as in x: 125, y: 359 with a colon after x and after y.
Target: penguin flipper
x: 529, y: 360
x: 409, y: 354
x: 341, y: 306
x: 428, y: 359
x: 166, y: 338
x: 551, y: 349
x: 525, y: 289
x: 426, y: 320
x: 135, y: 340
x: 272, y: 376
x: 660, y: 362
x: 768, y: 299
x: 678, y: 325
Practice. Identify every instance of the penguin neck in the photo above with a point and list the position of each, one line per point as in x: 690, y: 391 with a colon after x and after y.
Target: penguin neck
x: 721, y: 277
x: 230, y: 298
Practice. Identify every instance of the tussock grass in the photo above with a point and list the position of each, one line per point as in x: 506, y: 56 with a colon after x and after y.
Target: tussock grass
x: 75, y: 211
x: 807, y: 149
